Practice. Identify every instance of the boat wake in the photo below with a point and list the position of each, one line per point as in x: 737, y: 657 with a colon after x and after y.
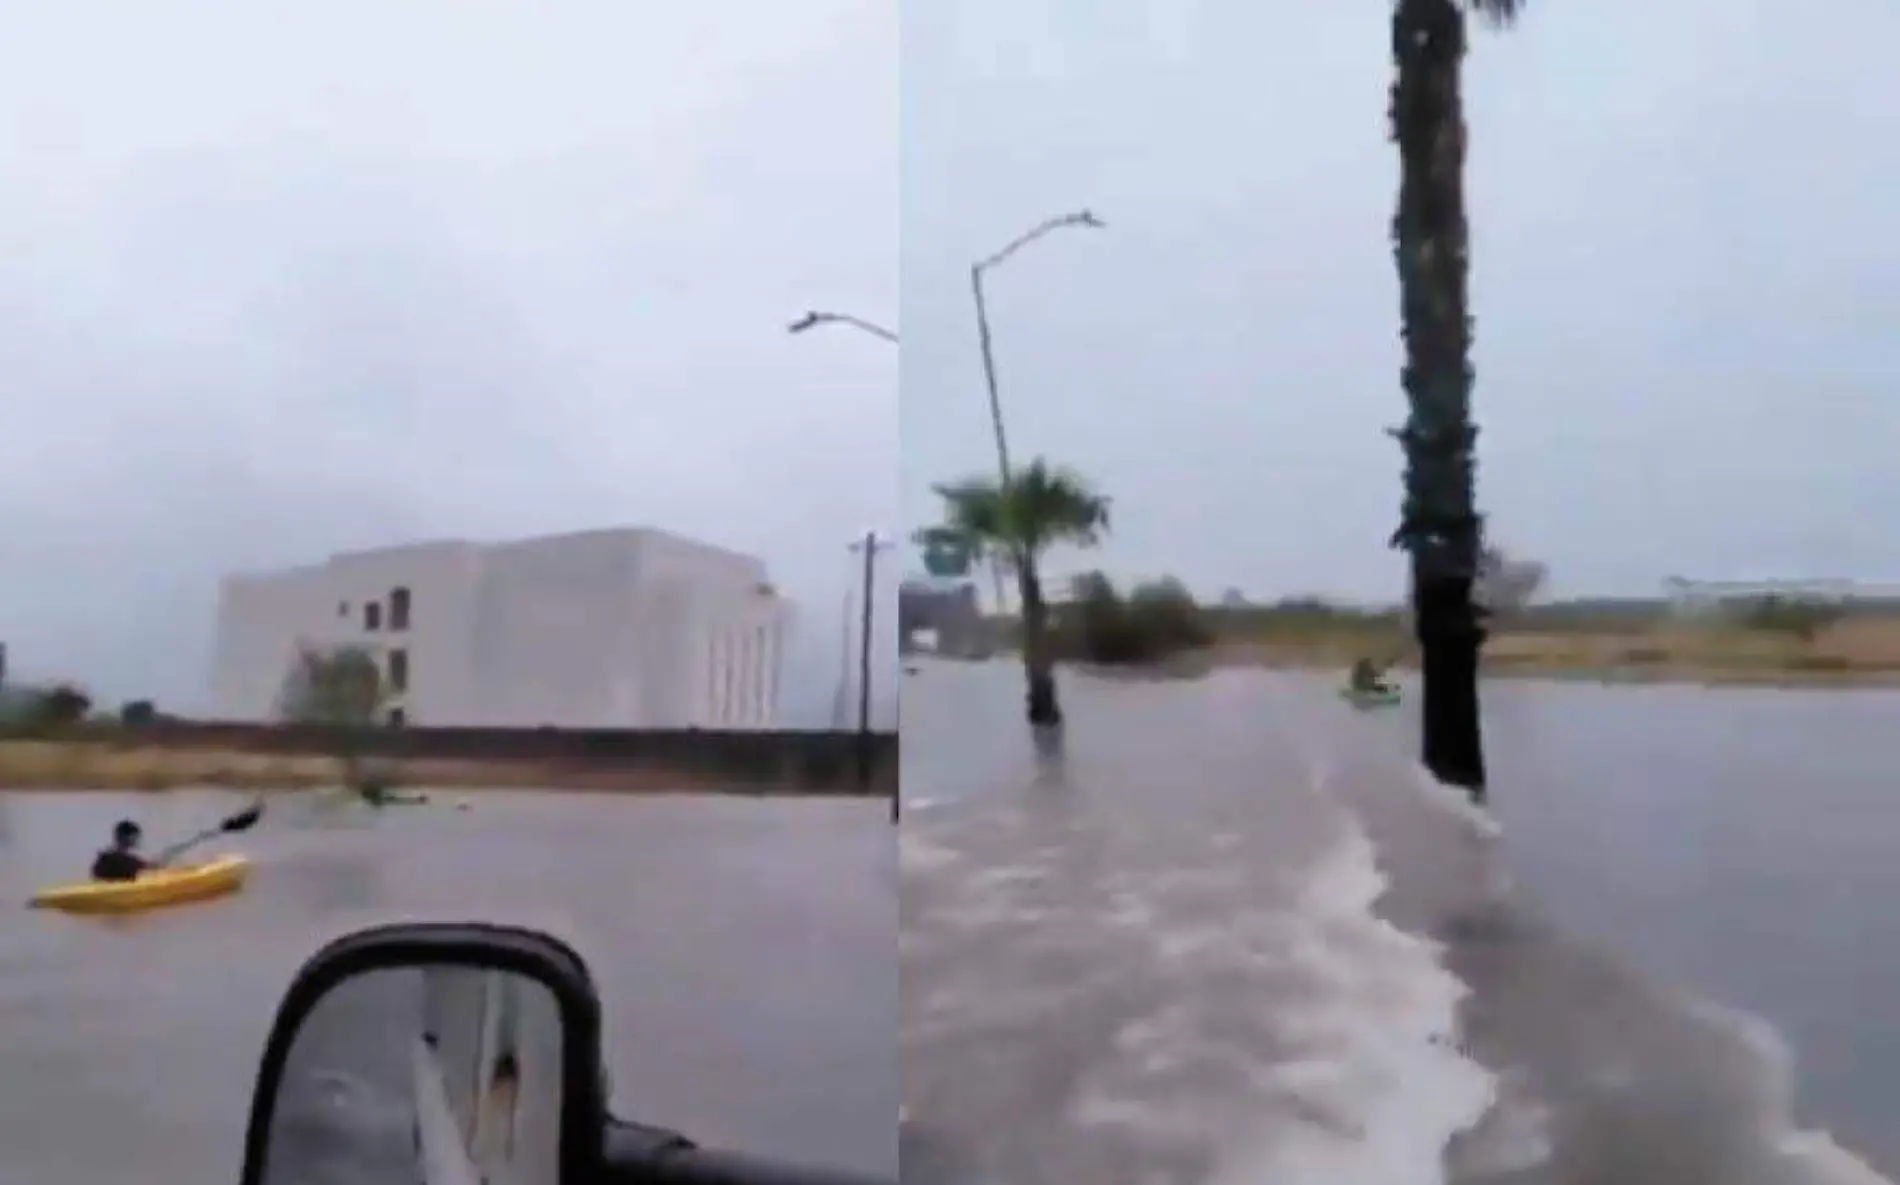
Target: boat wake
x: 1281, y: 953
x: 1603, y: 1072
x: 1163, y: 996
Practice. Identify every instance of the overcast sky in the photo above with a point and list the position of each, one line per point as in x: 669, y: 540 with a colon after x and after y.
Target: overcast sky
x: 1686, y: 281
x: 277, y: 280
x: 273, y: 284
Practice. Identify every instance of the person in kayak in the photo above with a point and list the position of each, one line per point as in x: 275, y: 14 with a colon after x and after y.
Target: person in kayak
x: 378, y: 795
x: 121, y: 861
x: 1367, y: 679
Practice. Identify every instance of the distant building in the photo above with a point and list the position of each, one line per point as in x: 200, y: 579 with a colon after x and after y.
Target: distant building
x: 946, y: 613
x: 1692, y: 598
x: 628, y: 628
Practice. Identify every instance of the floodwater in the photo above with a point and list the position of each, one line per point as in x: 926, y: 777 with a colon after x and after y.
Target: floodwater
x: 738, y: 944
x: 1228, y: 934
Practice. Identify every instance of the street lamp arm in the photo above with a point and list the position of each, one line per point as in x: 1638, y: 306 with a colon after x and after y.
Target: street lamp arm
x: 813, y: 319
x: 1082, y: 218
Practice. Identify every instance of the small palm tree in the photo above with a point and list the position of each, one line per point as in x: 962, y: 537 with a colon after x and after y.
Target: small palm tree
x: 1040, y: 507
x: 1439, y: 523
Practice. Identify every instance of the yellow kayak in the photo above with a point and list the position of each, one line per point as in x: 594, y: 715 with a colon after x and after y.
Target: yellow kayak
x: 152, y: 890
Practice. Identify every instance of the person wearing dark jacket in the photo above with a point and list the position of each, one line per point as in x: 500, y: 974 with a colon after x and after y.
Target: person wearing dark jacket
x: 121, y: 861
x: 1367, y: 679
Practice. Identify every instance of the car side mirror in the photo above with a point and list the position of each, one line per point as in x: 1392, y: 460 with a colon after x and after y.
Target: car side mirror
x: 448, y: 1054
x: 459, y: 1054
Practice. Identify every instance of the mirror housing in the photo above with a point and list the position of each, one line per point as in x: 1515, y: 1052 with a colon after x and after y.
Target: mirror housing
x: 593, y: 1147
x: 475, y: 947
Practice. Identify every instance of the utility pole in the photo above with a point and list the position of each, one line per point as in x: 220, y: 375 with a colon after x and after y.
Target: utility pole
x: 870, y: 545
x: 840, y: 700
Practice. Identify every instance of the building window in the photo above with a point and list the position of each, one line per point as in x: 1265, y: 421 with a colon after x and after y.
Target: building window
x: 373, y: 616
x: 342, y: 608
x: 397, y: 718
x: 399, y: 608
x: 399, y: 671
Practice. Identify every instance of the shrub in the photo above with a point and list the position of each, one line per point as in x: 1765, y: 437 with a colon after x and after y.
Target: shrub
x: 1099, y: 625
x: 1790, y: 615
x: 61, y: 705
x: 1164, y: 611
x: 133, y: 713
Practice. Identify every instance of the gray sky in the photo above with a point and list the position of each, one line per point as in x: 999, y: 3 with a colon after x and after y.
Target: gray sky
x: 279, y: 280
x: 1686, y: 282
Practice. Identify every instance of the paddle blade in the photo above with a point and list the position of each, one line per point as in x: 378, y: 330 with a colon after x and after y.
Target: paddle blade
x: 244, y: 820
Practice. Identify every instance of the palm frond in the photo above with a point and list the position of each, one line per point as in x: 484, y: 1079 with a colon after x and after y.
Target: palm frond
x: 1054, y: 505
x: 1043, y: 504
x: 1498, y: 13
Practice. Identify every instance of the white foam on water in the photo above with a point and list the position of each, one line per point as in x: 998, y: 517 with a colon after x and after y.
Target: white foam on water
x: 1809, y: 1156
x: 1514, y: 1138
x: 917, y: 854
x: 1457, y: 803
x: 1383, y: 1088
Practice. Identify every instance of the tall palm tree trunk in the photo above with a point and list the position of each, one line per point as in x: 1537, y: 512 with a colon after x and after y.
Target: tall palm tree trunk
x: 1439, y: 523
x: 1038, y: 658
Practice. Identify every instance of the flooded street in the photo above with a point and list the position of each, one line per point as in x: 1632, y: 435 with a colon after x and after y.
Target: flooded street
x: 1230, y: 936
x: 738, y: 944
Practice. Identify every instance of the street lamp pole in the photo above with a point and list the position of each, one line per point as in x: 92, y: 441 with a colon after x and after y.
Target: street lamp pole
x: 1081, y: 219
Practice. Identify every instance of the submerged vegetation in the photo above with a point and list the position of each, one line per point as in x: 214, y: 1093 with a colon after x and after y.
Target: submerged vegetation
x: 1768, y: 640
x: 1018, y: 522
x: 1153, y: 622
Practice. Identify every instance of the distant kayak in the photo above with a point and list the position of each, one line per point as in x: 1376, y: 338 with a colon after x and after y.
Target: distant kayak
x: 1385, y: 697
x: 399, y: 800
x: 216, y: 877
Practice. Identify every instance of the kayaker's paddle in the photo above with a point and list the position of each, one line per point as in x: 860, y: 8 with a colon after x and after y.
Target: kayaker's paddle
x: 244, y: 820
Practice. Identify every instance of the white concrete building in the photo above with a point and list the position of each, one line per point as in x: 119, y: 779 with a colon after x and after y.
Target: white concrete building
x: 626, y: 628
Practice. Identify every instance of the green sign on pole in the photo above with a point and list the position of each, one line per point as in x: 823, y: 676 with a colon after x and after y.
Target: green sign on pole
x: 947, y: 555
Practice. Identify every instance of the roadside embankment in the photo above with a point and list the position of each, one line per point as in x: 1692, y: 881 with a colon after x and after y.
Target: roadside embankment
x: 1848, y: 654
x: 171, y: 754
x: 1776, y: 644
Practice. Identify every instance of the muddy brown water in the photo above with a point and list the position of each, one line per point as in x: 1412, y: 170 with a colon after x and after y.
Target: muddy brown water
x: 1132, y: 960
x: 740, y: 945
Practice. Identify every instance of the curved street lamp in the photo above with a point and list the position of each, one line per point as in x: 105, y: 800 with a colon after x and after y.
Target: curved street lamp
x: 1081, y: 219
x: 814, y: 319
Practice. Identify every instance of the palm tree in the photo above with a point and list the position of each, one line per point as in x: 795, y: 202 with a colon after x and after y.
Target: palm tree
x: 1039, y: 507
x: 1439, y: 523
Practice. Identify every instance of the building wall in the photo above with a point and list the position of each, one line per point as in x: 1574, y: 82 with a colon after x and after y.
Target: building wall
x: 261, y: 619
x: 713, y: 637
x: 602, y: 629
x: 552, y: 633
x: 948, y: 609
x: 442, y: 580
